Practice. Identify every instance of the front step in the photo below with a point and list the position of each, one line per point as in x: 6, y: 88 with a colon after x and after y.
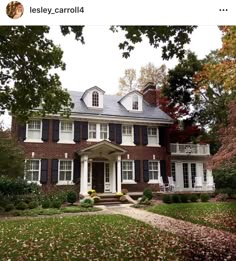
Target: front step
x: 109, y: 200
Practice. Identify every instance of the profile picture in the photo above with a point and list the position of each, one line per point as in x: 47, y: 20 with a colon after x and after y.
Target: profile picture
x: 15, y: 9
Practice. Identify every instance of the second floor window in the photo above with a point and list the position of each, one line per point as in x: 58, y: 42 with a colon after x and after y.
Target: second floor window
x: 66, y: 131
x: 127, y: 134
x: 98, y: 131
x: 34, y: 130
x: 95, y: 99
x: 153, y: 136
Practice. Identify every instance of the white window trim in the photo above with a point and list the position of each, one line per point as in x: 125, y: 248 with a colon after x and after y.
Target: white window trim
x: 66, y: 141
x: 38, y: 181
x: 129, y: 181
x: 98, y: 131
x: 34, y: 140
x: 157, y: 138
x: 132, y: 136
x: 66, y: 182
x: 155, y: 181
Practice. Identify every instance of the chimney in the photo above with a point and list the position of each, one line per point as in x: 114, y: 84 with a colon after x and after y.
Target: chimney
x: 150, y: 94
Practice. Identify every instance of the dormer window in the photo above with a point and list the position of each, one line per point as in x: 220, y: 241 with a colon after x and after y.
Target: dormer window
x: 135, y: 102
x: 95, y: 99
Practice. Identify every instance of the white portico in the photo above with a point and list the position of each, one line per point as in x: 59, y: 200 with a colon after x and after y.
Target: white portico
x: 101, y: 167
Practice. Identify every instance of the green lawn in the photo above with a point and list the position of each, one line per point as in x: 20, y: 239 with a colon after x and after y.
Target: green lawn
x: 217, y: 215
x: 96, y: 237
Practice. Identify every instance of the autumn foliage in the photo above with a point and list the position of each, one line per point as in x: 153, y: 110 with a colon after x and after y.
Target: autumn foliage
x: 226, y: 155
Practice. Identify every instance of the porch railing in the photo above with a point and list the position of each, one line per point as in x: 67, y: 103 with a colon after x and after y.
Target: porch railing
x: 189, y: 149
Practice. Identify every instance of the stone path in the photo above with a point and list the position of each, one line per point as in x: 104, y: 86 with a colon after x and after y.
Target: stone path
x: 223, y: 241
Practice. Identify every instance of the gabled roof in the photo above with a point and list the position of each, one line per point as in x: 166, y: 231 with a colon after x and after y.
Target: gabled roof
x: 103, y: 146
x: 90, y: 89
x: 130, y: 93
x: 112, y: 108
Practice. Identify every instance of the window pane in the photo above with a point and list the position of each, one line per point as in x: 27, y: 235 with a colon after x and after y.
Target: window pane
x: 103, y: 131
x: 95, y: 99
x: 92, y: 131
x: 66, y: 126
x: 34, y: 125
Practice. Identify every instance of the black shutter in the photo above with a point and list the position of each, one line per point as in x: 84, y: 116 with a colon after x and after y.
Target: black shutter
x: 145, y: 171
x: 55, y: 130
x: 111, y: 131
x: 21, y: 131
x: 136, y: 134
x: 54, y: 171
x: 84, y: 130
x: 118, y: 134
x: 76, y: 177
x: 137, y: 170
x: 144, y: 135
x: 45, y: 130
x: 163, y: 171
x: 44, y: 171
x: 162, y: 136
x: 76, y: 131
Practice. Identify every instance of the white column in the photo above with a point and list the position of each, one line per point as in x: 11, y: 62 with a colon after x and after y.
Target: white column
x: 118, y: 173
x: 84, y: 175
x: 113, y: 177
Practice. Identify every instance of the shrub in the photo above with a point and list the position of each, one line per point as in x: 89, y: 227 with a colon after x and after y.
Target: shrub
x: 33, y: 204
x: 91, y: 191
x: 46, y: 203
x: 86, y: 203
x: 166, y: 199
x: 71, y: 197
x: 204, y: 197
x: 56, y: 203
x: 193, y: 198
x: 124, y: 191
x: 225, y: 177
x: 9, y: 207
x: 2, y: 209
x: 18, y: 186
x: 175, y: 198
x: 148, y: 193
x: 22, y: 206
x: 184, y: 198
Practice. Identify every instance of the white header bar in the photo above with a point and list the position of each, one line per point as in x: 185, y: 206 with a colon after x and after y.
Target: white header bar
x: 122, y: 12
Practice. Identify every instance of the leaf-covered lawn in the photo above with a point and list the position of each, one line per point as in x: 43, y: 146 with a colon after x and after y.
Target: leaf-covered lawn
x: 217, y: 215
x: 97, y: 237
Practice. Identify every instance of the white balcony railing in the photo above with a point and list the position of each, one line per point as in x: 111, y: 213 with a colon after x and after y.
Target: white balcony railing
x: 189, y: 149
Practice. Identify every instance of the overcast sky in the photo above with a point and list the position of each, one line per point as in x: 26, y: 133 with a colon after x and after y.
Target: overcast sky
x: 99, y: 61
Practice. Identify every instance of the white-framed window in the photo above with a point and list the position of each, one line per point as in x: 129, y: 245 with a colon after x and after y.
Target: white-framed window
x: 127, y: 134
x: 98, y: 131
x: 103, y: 131
x: 34, y: 130
x: 66, y: 131
x: 95, y: 99
x: 154, y: 170
x: 92, y: 131
x: 65, y: 172
x: 127, y: 171
x: 32, y: 172
x: 135, y: 102
x: 153, y: 136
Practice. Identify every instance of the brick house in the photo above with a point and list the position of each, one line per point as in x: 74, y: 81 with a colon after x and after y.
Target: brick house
x: 108, y: 143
